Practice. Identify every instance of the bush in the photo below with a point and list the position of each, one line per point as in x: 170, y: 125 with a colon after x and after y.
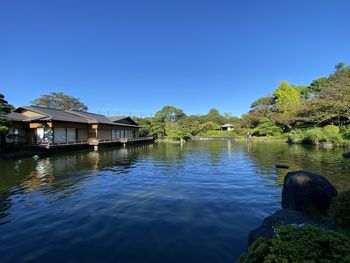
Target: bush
x: 340, y: 209
x: 216, y: 133
x: 330, y: 130
x: 209, y: 126
x: 314, y: 136
x: 300, y: 244
x: 295, y: 136
x: 345, y: 132
x: 329, y: 133
x: 336, y: 139
x: 266, y: 128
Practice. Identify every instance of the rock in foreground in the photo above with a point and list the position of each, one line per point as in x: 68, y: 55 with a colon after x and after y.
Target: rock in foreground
x: 307, y: 192
x: 281, y: 217
x: 346, y: 155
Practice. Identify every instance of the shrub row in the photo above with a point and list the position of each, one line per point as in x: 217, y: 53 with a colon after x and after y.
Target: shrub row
x: 329, y: 133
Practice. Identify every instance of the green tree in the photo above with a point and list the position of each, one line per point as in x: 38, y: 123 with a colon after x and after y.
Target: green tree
x: 317, y: 85
x: 170, y: 114
x: 60, y: 101
x: 334, y: 100
x: 214, y: 116
x: 264, y: 104
x: 287, y: 102
x: 340, y: 66
x: 209, y: 126
x: 5, y: 122
x: 195, y: 128
x: 267, y: 128
x: 5, y: 109
x: 157, y: 128
x: 331, y: 100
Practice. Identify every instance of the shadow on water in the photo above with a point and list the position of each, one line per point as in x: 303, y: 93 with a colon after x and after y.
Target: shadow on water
x: 194, y: 202
x: 61, y: 173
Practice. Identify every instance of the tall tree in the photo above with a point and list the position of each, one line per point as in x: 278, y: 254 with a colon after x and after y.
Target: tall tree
x: 331, y: 100
x: 170, y: 114
x: 5, y: 122
x: 214, y: 116
x: 5, y: 108
x: 340, y: 66
x: 334, y: 100
x: 60, y: 101
x: 287, y: 101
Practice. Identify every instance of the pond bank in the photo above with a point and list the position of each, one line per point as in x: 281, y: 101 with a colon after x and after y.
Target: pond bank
x: 304, y: 229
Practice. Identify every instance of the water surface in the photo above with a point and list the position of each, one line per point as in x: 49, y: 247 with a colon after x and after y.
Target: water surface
x: 151, y: 203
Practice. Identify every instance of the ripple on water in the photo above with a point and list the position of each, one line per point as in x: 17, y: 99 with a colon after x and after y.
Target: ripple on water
x: 166, y: 203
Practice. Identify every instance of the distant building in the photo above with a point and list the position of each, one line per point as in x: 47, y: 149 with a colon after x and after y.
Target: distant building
x: 39, y: 126
x: 227, y: 127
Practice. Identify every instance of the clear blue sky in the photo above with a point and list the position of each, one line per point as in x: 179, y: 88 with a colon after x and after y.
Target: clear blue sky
x: 137, y: 56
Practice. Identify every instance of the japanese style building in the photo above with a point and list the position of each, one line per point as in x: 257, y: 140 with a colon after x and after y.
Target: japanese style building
x: 45, y: 127
x: 227, y: 127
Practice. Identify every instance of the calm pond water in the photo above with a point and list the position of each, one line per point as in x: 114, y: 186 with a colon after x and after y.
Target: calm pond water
x: 150, y: 203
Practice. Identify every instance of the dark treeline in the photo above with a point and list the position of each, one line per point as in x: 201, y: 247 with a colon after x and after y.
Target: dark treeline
x: 314, y: 113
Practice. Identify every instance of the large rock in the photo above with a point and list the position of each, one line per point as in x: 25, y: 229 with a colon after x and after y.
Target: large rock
x: 283, y: 217
x: 346, y: 155
x: 307, y: 192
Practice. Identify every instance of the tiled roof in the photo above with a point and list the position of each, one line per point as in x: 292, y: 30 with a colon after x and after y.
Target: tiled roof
x: 49, y: 114
x: 117, y: 118
x: 125, y: 120
x: 92, y: 117
x: 14, y: 116
x: 227, y: 125
x: 52, y: 114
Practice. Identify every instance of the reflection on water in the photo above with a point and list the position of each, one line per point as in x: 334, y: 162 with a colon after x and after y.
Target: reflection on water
x: 154, y: 203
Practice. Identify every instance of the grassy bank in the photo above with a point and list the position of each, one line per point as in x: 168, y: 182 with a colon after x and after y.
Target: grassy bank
x: 240, y: 138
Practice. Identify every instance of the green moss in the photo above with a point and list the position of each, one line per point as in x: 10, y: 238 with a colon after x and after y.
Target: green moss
x: 340, y: 209
x: 300, y: 244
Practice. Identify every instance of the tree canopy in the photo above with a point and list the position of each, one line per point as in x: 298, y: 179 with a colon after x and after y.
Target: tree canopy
x: 5, y: 122
x: 60, y: 101
x: 325, y: 101
x: 170, y: 114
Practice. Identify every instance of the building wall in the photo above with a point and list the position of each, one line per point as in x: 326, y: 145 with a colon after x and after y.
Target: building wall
x: 63, y: 132
x: 83, y: 134
x: 16, y: 135
x: 115, y: 132
x: 104, y: 134
x: 70, y: 132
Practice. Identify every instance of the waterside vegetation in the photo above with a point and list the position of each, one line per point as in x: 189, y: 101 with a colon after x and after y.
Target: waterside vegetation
x: 312, y: 114
x: 313, y: 225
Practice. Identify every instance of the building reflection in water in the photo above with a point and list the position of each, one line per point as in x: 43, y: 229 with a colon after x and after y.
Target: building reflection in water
x: 60, y: 175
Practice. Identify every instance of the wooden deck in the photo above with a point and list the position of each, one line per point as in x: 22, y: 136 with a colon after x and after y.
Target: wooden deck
x: 122, y: 140
x: 91, y: 142
x: 212, y: 138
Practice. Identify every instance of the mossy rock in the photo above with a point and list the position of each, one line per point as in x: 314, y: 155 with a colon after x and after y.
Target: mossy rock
x: 299, y: 243
x: 307, y: 192
x: 340, y: 209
